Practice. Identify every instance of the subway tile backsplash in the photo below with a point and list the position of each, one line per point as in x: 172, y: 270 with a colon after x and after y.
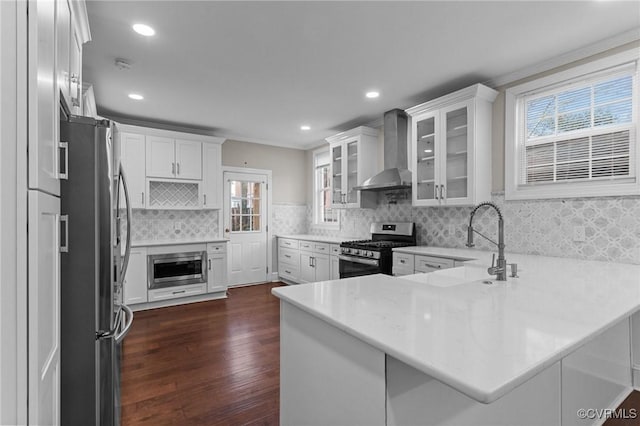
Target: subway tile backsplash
x: 544, y: 227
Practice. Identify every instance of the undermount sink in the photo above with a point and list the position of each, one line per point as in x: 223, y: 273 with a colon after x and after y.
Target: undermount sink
x: 452, y: 276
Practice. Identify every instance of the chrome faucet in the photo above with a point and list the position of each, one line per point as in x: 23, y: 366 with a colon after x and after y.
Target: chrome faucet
x: 500, y: 269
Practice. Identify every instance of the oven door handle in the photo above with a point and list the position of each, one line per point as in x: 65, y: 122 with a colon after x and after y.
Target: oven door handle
x: 371, y: 262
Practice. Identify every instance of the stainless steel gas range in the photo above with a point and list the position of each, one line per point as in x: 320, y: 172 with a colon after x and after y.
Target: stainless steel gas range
x: 374, y: 256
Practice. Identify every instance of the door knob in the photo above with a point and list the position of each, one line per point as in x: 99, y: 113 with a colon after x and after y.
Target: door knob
x: 226, y: 230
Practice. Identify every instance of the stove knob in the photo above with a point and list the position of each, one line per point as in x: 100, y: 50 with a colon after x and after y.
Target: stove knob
x: 356, y: 252
x: 371, y: 254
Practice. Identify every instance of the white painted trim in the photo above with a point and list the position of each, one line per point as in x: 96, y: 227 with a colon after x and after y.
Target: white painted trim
x: 180, y: 301
x: 149, y: 131
x: 567, y: 58
x: 513, y: 115
x: 478, y: 91
x: 270, y: 235
x: 353, y: 133
x: 80, y: 19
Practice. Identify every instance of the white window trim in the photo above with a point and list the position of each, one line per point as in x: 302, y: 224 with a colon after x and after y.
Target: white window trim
x: 316, y: 223
x: 619, y: 187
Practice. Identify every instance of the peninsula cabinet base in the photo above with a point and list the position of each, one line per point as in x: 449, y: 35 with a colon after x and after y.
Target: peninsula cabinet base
x: 327, y: 376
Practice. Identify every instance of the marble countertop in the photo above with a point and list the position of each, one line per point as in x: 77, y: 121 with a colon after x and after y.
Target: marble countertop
x: 319, y: 238
x: 176, y: 242
x: 481, y: 339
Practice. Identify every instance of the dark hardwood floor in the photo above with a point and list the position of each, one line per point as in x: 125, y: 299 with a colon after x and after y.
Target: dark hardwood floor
x: 216, y: 363
x: 207, y: 363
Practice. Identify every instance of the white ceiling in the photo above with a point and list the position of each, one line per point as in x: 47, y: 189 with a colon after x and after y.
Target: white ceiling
x: 256, y: 71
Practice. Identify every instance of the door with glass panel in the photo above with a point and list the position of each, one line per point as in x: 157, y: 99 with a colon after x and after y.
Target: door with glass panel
x: 337, y: 198
x: 245, y: 220
x: 426, y: 151
x: 455, y: 171
x: 351, y: 161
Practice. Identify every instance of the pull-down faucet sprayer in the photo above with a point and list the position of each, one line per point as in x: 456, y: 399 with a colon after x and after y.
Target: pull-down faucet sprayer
x: 500, y: 269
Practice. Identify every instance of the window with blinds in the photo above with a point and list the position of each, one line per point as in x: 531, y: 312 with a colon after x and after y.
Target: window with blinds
x: 579, y: 131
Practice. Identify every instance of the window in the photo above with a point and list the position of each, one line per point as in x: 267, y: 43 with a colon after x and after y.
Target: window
x: 574, y: 134
x: 245, y: 206
x: 323, y: 213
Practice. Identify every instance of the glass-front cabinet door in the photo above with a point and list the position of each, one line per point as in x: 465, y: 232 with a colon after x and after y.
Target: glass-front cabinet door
x: 336, y: 176
x: 455, y: 171
x: 425, y: 154
x: 351, y: 172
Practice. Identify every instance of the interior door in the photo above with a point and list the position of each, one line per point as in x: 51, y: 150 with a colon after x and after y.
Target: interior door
x: 44, y: 309
x: 245, y: 219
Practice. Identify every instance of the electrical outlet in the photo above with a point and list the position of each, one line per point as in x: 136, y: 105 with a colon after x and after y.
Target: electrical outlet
x: 177, y: 226
x: 579, y: 234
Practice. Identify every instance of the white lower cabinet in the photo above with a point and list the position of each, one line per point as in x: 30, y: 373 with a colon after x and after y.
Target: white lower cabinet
x: 217, y: 267
x: 304, y: 261
x: 175, y: 292
x: 408, y: 264
x: 135, y: 280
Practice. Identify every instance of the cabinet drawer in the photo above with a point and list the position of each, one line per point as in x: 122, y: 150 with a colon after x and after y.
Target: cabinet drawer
x: 321, y: 248
x: 217, y: 247
x: 335, y: 249
x: 288, y: 271
x: 177, y: 292
x: 289, y: 256
x: 287, y: 243
x: 402, y: 261
x: 429, y: 263
x: 306, y: 245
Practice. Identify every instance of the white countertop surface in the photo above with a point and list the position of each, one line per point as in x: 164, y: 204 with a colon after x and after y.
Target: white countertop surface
x: 482, y: 340
x: 176, y: 242
x: 319, y: 238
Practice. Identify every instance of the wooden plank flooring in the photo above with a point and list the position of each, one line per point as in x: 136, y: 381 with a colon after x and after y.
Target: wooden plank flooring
x: 215, y: 363
x: 207, y: 363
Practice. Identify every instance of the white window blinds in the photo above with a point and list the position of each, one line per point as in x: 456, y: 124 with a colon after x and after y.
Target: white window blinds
x: 579, y: 130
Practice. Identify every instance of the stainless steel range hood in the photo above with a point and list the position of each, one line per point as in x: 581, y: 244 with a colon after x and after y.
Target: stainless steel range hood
x: 395, y: 174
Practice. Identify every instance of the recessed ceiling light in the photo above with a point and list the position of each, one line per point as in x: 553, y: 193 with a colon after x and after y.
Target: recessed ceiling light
x: 136, y: 97
x: 144, y: 30
x: 372, y: 95
x: 305, y: 127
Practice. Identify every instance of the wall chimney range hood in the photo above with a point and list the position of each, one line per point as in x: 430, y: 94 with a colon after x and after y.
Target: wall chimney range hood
x: 395, y: 174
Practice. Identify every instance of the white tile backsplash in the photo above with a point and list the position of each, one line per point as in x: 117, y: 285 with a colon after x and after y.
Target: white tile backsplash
x: 546, y: 227
x: 156, y: 225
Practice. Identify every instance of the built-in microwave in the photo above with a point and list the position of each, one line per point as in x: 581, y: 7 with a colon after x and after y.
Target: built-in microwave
x: 176, y: 269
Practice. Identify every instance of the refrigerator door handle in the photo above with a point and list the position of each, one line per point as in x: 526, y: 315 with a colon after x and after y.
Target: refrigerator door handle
x: 101, y: 334
x: 128, y: 319
x: 127, y: 252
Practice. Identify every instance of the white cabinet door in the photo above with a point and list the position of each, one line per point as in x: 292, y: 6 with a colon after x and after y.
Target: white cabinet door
x: 43, y: 104
x: 322, y: 267
x: 335, y: 268
x: 217, y: 273
x: 132, y: 149
x: 456, y: 171
x: 135, y: 281
x: 63, y: 43
x: 160, y: 157
x: 44, y: 309
x: 188, y: 159
x: 212, y: 176
x: 307, y: 272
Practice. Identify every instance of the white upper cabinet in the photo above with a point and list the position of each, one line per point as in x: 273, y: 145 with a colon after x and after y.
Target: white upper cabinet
x: 160, y: 157
x: 451, y: 148
x: 354, y: 159
x: 211, y: 176
x: 132, y: 156
x: 43, y: 111
x: 63, y: 45
x: 174, y: 159
x: 188, y: 159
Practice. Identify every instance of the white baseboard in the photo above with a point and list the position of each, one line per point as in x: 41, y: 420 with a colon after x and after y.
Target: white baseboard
x: 178, y: 301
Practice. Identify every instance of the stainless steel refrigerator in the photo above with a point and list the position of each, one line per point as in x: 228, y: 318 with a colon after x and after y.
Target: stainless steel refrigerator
x: 94, y: 258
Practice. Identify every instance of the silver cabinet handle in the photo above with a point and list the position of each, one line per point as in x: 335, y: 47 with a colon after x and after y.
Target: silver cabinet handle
x: 173, y: 168
x: 178, y: 167
x: 443, y: 192
x: 435, y: 192
x: 288, y: 272
x: 75, y: 78
x: 64, y: 247
x: 209, y: 260
x: 402, y: 261
x: 179, y: 292
x: 432, y: 266
x: 205, y: 199
x: 142, y: 194
x: 64, y: 146
x: 287, y: 255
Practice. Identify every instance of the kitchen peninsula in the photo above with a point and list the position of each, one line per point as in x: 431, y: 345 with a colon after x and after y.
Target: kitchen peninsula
x: 457, y: 347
